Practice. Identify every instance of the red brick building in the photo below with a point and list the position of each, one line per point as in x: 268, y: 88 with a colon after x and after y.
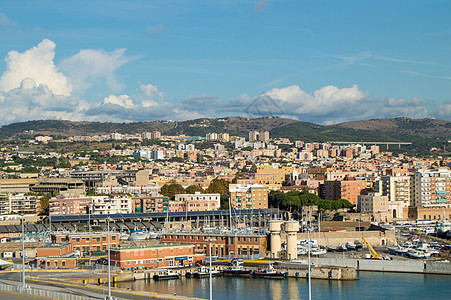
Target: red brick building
x: 83, y: 241
x: 56, y: 256
x: 224, y: 244
x: 155, y: 256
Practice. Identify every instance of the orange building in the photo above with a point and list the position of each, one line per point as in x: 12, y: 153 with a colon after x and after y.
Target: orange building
x: 84, y: 241
x: 248, y: 197
x: 56, y: 256
x: 348, y: 189
x: 155, y: 256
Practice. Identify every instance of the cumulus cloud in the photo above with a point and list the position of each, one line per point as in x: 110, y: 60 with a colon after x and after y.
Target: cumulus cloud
x: 31, y: 101
x: 37, y: 64
x: 32, y: 87
x: 89, y: 65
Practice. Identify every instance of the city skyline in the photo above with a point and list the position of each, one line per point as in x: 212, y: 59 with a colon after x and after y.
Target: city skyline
x: 321, y: 62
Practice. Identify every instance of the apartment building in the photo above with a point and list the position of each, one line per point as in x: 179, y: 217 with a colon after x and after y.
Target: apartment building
x: 18, y: 204
x: 113, y: 204
x: 195, y: 202
x: 248, y: 196
x: 375, y: 204
x: 348, y: 189
x: 431, y: 187
x: 398, y: 191
x: 64, y: 206
x: 150, y: 203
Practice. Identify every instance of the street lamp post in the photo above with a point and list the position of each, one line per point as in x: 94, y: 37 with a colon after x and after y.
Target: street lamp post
x: 309, y: 267
x: 24, y: 286
x: 109, y: 261
x: 210, y: 250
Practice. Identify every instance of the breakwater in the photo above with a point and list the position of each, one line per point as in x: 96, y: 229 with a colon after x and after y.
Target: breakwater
x: 401, y: 266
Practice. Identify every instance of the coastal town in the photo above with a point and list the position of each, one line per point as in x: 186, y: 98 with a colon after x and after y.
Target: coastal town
x: 140, y: 204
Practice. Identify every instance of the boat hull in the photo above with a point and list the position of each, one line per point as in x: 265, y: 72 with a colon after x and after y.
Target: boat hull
x: 165, y: 277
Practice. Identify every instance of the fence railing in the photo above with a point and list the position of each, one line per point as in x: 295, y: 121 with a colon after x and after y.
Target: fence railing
x: 41, y: 292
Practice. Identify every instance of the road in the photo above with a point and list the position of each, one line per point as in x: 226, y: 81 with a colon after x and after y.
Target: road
x: 42, y: 281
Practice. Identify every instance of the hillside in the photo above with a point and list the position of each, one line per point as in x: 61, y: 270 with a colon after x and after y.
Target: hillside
x: 426, y: 128
x: 198, y: 127
x: 424, y: 133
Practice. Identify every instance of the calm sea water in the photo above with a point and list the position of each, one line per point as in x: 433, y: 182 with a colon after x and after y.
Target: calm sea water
x: 372, y: 285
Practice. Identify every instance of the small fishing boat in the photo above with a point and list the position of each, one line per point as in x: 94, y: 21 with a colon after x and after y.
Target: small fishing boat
x: 236, y: 269
x: 202, y: 272
x: 168, y: 274
x: 269, y: 272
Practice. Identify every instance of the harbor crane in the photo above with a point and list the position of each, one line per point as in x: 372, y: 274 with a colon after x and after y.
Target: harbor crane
x: 374, y: 254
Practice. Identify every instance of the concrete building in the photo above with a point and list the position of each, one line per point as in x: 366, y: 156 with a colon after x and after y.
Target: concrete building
x: 431, y: 187
x: 18, y: 204
x: 248, y: 196
x: 375, y: 204
x: 398, y: 190
x: 61, y: 185
x: 19, y: 185
x: 113, y: 204
x: 195, y: 202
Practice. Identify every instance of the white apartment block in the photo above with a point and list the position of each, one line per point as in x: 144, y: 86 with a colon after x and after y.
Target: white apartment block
x: 432, y: 187
x: 398, y: 189
x: 18, y: 204
x: 118, y: 204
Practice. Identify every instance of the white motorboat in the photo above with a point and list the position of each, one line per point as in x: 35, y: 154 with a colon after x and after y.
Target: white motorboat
x: 415, y: 254
x: 398, y: 250
x: 317, y: 251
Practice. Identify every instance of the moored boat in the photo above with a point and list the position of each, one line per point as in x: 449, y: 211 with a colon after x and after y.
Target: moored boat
x: 203, y: 272
x: 269, y: 272
x: 168, y: 274
x: 236, y: 269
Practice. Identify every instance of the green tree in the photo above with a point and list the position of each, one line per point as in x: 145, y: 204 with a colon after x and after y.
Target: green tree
x: 275, y: 198
x: 172, y: 189
x: 44, y: 201
x: 192, y: 189
x: 218, y: 185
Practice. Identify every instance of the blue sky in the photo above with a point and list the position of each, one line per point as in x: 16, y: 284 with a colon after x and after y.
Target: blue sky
x: 319, y: 61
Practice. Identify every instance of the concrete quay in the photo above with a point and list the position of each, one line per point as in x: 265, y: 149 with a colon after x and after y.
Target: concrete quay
x: 400, y: 266
x: 295, y: 270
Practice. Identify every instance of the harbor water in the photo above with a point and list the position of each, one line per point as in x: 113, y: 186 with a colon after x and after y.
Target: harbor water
x: 372, y: 285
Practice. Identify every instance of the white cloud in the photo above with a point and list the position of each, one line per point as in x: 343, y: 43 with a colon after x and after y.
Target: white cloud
x: 155, y: 29
x: 36, y: 102
x: 122, y: 100
x: 32, y: 87
x: 89, y: 64
x: 37, y: 64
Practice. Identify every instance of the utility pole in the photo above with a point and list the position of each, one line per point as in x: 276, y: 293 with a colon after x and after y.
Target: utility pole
x: 24, y: 286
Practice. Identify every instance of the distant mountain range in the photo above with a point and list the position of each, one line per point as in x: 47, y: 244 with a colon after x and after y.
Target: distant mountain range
x: 397, y: 129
